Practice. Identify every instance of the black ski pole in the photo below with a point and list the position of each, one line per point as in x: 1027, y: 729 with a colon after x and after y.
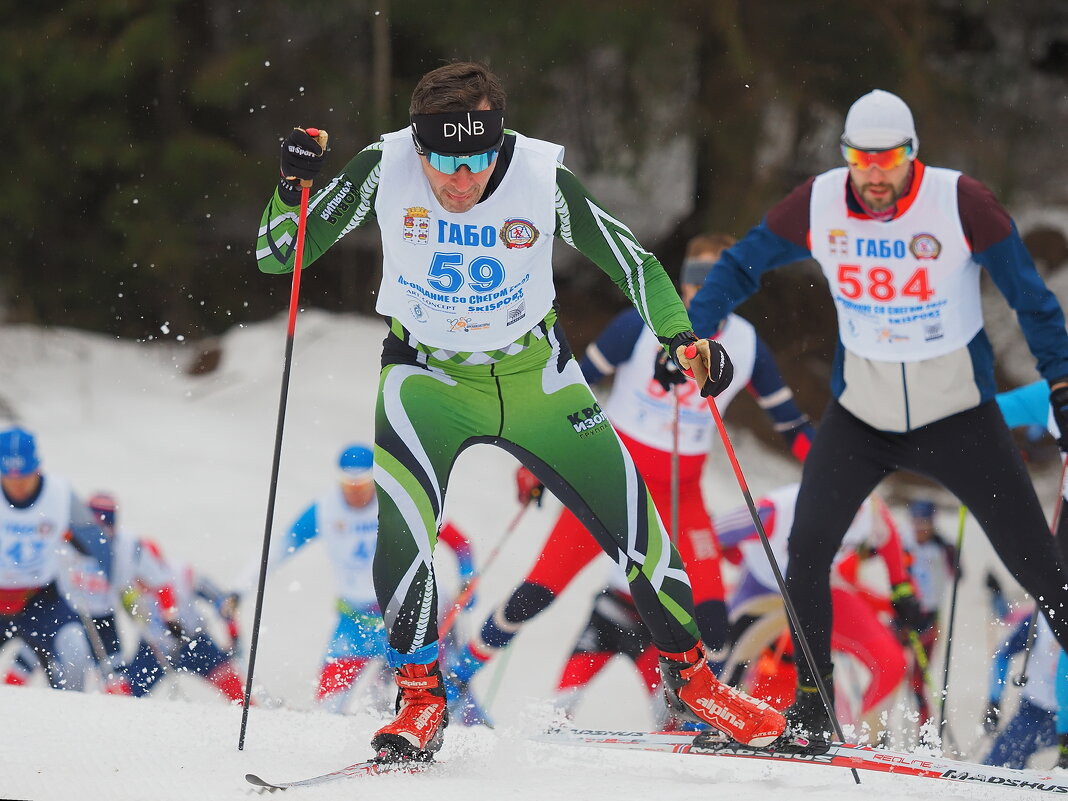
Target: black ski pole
x: 952, y: 620
x: 795, y: 623
x: 302, y: 222
x: 1032, y: 626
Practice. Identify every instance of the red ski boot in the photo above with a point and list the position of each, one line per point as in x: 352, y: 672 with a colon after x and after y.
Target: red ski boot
x: 419, y: 728
x: 692, y: 689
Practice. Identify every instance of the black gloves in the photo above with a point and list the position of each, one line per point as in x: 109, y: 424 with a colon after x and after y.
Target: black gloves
x: 708, y: 363
x: 907, y: 611
x: 302, y: 159
x: 1058, y: 400
x: 666, y: 372
x: 176, y: 630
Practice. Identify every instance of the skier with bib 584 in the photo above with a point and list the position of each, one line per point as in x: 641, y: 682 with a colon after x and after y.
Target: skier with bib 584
x: 468, y: 211
x: 902, y: 246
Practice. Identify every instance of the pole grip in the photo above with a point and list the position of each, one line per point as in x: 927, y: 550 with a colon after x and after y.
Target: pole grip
x: 320, y: 136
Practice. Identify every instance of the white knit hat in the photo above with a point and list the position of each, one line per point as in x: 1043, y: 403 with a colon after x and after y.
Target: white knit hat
x: 879, y: 120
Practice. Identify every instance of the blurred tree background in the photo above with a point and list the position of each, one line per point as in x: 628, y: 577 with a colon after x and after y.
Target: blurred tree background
x: 145, y: 134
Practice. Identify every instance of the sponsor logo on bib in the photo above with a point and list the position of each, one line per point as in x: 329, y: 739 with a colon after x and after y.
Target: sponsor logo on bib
x: 925, y: 246
x: 417, y: 312
x: 890, y: 335
x: 417, y: 225
x: 466, y: 324
x: 518, y: 233
x: 838, y: 241
x: 516, y: 314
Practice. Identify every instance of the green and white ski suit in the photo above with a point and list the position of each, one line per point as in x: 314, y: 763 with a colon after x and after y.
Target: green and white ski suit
x: 475, y: 354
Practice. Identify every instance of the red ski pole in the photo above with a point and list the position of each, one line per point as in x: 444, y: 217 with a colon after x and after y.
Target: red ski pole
x: 691, y: 353
x: 298, y: 257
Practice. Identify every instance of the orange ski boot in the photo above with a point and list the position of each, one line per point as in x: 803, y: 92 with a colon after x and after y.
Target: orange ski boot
x: 418, y: 730
x: 693, y: 690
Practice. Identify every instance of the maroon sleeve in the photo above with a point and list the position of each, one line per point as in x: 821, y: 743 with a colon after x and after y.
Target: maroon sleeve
x: 983, y: 219
x: 789, y: 218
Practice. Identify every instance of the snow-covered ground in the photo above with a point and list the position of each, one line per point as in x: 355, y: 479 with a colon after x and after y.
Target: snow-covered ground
x: 189, y: 458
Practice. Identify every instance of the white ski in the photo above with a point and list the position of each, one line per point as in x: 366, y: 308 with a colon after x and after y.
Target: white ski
x: 842, y: 755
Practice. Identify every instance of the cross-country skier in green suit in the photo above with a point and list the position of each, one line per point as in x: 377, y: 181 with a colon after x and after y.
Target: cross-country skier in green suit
x: 468, y: 211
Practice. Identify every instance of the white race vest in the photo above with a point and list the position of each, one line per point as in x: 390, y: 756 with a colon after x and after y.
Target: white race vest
x: 182, y: 580
x: 83, y: 583
x: 350, y: 537
x: 31, y: 540
x: 475, y: 281
x: 640, y: 408
x: 907, y: 289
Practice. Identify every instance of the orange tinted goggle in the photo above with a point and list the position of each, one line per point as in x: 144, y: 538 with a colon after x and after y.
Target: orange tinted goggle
x: 883, y: 159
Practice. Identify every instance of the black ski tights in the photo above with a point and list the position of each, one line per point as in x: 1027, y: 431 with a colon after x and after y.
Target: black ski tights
x: 971, y: 454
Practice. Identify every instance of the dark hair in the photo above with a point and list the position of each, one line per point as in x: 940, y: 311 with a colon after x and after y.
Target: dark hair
x: 460, y: 86
x: 702, y: 243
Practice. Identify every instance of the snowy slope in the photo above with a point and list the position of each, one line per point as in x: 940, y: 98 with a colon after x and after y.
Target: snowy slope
x: 189, y: 459
x: 99, y: 747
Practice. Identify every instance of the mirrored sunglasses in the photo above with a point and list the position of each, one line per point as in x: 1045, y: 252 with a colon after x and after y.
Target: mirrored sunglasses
x: 883, y: 159
x: 450, y: 164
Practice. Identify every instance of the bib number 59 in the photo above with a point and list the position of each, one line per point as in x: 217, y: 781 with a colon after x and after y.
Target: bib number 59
x: 484, y: 274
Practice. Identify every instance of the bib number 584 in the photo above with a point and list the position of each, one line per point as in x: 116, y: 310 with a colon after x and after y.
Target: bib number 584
x: 878, y: 283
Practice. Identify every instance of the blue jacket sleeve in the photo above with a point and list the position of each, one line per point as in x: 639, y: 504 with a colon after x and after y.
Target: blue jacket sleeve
x: 999, y: 666
x: 777, y: 401
x: 300, y: 533
x: 87, y: 537
x: 737, y: 274
x: 613, y: 346
x: 1036, y: 307
x: 1025, y: 406
x: 1061, y: 690
x: 997, y: 246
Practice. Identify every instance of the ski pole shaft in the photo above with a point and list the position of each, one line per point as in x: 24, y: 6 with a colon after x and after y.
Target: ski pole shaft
x: 921, y: 655
x: 791, y: 612
x: 294, y: 295
x: 1032, y: 627
x: 96, y: 643
x: 952, y: 620
x: 498, y: 677
x: 472, y: 585
x: 675, y: 465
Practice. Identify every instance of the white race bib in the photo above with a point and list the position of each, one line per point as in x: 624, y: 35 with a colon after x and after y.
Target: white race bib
x: 641, y: 409
x: 475, y: 281
x: 907, y: 289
